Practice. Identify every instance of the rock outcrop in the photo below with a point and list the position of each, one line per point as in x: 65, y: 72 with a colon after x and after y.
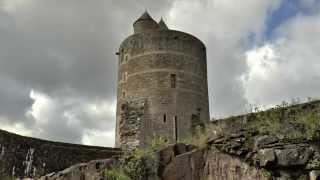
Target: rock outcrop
x: 242, y: 155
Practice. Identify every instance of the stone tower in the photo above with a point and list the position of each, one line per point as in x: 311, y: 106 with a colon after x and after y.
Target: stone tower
x: 162, y: 84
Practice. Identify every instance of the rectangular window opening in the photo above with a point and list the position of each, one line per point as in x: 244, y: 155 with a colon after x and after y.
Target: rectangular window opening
x: 176, y: 128
x: 164, y: 118
x: 173, y: 79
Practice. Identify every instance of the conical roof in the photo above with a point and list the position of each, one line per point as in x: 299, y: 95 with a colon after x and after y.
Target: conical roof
x: 145, y: 23
x: 162, y: 25
x: 144, y: 16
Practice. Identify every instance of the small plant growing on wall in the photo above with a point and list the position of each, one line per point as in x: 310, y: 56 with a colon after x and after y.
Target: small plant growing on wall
x: 198, y: 138
x: 115, y: 174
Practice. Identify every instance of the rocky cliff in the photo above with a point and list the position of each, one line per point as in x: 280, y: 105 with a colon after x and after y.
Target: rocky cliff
x: 242, y: 155
x: 278, y: 144
x: 30, y: 157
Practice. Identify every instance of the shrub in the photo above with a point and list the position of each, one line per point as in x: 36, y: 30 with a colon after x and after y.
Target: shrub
x: 139, y: 162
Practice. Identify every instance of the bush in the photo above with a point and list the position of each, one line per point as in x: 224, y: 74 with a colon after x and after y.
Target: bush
x: 139, y: 163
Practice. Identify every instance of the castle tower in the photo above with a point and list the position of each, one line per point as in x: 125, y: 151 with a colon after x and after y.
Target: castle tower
x: 162, y: 84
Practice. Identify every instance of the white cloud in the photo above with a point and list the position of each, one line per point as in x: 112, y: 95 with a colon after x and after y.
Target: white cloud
x: 224, y: 26
x: 12, y: 5
x: 18, y: 128
x: 99, y: 138
x: 70, y: 119
x: 287, y: 67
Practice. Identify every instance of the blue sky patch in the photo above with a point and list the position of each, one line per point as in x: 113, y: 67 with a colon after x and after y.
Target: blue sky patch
x: 287, y: 10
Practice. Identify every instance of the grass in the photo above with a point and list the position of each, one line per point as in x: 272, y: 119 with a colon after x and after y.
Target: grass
x: 115, y: 174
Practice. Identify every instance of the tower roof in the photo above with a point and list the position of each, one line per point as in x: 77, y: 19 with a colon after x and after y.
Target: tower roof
x: 162, y: 25
x: 145, y: 23
x: 145, y: 16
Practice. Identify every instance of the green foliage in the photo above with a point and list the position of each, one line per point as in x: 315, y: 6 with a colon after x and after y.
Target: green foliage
x: 266, y: 173
x: 272, y: 122
x: 266, y: 121
x: 140, y: 162
x: 114, y: 174
x: 311, y: 124
x: 158, y: 142
x: 198, y: 138
x: 133, y: 164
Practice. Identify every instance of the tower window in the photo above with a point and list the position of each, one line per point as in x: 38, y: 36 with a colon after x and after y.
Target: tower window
x: 176, y: 128
x: 123, y: 94
x: 173, y: 79
x: 164, y: 118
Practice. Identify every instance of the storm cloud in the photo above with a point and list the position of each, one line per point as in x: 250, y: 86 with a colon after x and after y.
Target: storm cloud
x: 58, y: 67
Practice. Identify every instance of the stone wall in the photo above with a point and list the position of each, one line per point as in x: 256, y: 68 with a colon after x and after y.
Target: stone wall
x: 29, y: 157
x: 285, y: 114
x: 131, y: 126
x: 169, y: 69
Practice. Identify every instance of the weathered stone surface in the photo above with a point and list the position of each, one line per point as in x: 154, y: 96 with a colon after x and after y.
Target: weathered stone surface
x: 282, y: 161
x: 263, y: 141
x: 93, y: 170
x: 131, y: 126
x: 29, y: 157
x: 220, y: 166
x: 266, y: 157
x: 169, y: 69
x: 293, y: 156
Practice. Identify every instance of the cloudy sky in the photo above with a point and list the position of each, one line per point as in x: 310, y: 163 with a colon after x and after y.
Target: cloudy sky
x: 58, y: 64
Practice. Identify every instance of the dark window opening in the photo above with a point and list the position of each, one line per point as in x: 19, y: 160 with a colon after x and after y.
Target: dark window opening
x: 176, y: 128
x: 123, y: 94
x: 164, y: 118
x: 173, y: 79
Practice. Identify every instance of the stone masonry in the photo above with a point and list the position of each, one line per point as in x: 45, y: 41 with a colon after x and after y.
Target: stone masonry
x: 168, y: 69
x: 22, y: 157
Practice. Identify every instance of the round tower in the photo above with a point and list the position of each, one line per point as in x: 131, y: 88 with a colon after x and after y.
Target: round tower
x: 162, y: 84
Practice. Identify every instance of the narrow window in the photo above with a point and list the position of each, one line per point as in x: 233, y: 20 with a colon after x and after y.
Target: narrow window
x: 126, y: 58
x: 164, y: 118
x: 173, y: 79
x: 123, y: 94
x: 176, y: 128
